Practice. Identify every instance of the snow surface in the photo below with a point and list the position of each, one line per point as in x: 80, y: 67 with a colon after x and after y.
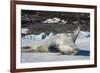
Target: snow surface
x: 55, y: 20
x: 82, y: 42
x: 49, y: 57
x: 24, y: 30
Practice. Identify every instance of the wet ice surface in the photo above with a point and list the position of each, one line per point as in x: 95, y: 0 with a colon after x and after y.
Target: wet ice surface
x: 49, y: 57
x: 82, y: 42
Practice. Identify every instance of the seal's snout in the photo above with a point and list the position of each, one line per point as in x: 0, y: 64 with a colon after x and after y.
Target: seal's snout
x: 76, y: 51
x: 69, y: 50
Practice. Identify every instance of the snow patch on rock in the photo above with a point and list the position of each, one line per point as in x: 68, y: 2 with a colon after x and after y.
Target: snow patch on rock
x: 55, y: 20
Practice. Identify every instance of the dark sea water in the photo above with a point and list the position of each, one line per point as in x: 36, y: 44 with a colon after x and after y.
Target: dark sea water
x: 84, y: 53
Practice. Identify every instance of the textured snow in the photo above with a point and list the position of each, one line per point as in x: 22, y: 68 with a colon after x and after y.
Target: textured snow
x: 24, y: 30
x: 49, y: 57
x: 55, y: 20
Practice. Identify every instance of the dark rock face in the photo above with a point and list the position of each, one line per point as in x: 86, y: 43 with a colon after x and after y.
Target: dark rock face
x: 33, y: 21
x: 57, y: 28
